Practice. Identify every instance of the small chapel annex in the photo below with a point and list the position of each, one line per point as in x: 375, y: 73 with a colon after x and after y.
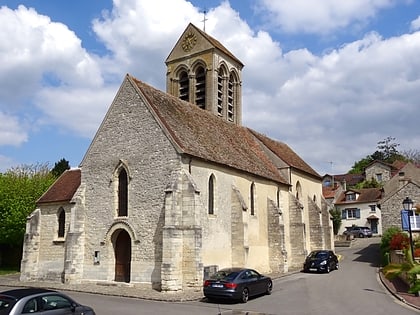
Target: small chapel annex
x: 173, y: 186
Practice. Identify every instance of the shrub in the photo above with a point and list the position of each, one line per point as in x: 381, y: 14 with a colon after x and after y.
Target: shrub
x: 385, y: 243
x: 399, y: 241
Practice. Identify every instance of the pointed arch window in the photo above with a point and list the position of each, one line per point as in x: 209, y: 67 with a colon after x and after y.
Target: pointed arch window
x: 230, y: 99
x: 61, y: 223
x: 200, y: 87
x: 184, y: 86
x: 252, y: 198
x: 220, y: 91
x: 122, y: 193
x: 211, y: 194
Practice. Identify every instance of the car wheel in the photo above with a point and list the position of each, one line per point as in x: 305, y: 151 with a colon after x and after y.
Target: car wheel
x: 361, y: 235
x: 328, y: 269
x: 245, y: 295
x: 337, y: 265
x: 269, y: 288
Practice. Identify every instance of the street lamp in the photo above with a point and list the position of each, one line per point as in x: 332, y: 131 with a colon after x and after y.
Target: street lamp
x: 408, y: 206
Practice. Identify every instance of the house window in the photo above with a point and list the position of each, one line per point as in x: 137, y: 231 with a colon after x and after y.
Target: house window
x: 61, y: 222
x: 200, y: 87
x: 350, y: 213
x: 122, y: 193
x: 184, y: 87
x: 372, y: 208
x: 350, y: 197
x: 379, y: 177
x: 211, y: 195
x: 252, y: 198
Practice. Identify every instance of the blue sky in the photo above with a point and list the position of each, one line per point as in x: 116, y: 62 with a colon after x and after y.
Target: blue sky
x: 329, y: 78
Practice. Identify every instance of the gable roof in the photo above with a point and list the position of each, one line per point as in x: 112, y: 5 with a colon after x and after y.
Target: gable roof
x: 201, y: 134
x: 63, y: 188
x: 213, y: 42
x: 365, y: 195
x: 285, y: 153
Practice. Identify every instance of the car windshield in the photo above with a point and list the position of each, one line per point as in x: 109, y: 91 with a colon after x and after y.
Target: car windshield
x: 226, y: 274
x: 320, y: 255
x: 6, y: 304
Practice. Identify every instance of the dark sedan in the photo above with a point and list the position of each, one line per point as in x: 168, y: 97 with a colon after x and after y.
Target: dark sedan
x: 41, y: 302
x: 321, y: 261
x: 237, y: 284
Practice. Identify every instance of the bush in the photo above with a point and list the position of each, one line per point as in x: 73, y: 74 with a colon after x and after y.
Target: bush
x: 385, y: 243
x: 399, y: 241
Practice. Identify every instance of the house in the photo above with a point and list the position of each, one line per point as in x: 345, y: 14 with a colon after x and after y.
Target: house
x: 405, y: 184
x: 173, y: 186
x: 359, y: 207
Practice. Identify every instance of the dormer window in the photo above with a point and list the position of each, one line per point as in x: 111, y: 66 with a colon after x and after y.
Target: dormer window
x: 351, y: 196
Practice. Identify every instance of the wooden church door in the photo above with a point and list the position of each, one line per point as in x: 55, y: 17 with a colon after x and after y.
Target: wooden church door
x: 122, y: 257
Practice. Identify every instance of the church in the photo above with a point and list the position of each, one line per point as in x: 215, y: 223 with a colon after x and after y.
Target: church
x: 173, y: 187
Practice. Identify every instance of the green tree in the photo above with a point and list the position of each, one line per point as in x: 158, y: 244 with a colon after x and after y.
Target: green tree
x: 336, y: 220
x: 20, y: 188
x: 60, y: 167
x: 372, y: 183
x: 359, y: 166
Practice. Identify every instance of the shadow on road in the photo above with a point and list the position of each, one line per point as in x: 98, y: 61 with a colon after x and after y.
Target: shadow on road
x: 369, y: 254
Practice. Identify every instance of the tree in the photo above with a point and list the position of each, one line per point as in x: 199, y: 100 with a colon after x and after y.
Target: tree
x: 336, y: 220
x: 60, y: 167
x: 359, y: 167
x: 412, y: 155
x: 20, y: 188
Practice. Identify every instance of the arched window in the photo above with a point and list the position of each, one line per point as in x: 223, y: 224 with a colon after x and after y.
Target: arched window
x: 184, y: 86
x: 230, y: 99
x: 122, y: 193
x: 298, y: 190
x: 200, y: 87
x: 220, y: 91
x: 61, y: 222
x: 252, y: 198
x: 211, y: 194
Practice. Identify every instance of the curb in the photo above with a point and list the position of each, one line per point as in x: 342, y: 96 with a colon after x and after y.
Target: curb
x: 395, y: 294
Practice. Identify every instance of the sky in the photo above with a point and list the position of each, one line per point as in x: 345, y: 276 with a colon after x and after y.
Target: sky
x: 329, y: 78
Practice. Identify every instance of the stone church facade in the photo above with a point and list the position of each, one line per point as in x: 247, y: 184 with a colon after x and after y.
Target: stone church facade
x: 173, y: 186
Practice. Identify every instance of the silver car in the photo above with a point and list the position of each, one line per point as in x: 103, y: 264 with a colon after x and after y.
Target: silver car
x: 358, y: 231
x: 41, y: 302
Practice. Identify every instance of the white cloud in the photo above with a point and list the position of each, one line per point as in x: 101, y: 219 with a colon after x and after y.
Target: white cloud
x: 11, y: 132
x: 321, y: 16
x: 415, y: 25
x: 323, y: 106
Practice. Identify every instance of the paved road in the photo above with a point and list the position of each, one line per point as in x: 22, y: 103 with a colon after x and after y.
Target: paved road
x: 353, y: 289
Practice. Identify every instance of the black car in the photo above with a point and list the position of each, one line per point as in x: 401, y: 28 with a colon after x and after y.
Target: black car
x: 321, y: 261
x: 41, y: 302
x: 237, y: 284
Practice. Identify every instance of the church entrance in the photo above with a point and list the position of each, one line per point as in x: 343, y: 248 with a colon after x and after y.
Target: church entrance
x: 122, y: 249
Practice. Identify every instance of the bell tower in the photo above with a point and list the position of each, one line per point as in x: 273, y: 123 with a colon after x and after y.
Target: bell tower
x: 200, y: 70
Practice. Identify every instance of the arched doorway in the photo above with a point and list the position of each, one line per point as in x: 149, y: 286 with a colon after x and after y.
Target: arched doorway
x: 122, y: 250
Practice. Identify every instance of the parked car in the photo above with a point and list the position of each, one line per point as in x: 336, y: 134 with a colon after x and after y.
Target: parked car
x: 41, y: 302
x: 321, y: 261
x: 358, y: 231
x: 237, y: 284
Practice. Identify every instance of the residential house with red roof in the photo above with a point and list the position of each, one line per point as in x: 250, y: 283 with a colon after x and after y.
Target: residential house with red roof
x: 173, y: 186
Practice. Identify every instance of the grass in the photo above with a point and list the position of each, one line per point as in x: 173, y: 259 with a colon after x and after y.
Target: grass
x: 8, y: 270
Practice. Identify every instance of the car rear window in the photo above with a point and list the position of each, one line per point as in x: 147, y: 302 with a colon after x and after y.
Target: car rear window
x: 227, y: 275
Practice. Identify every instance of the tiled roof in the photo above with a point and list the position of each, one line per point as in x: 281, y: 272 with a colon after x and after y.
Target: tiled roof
x: 202, y: 134
x: 365, y: 195
x: 350, y: 179
x: 63, y: 188
x: 284, y: 152
x: 217, y: 44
